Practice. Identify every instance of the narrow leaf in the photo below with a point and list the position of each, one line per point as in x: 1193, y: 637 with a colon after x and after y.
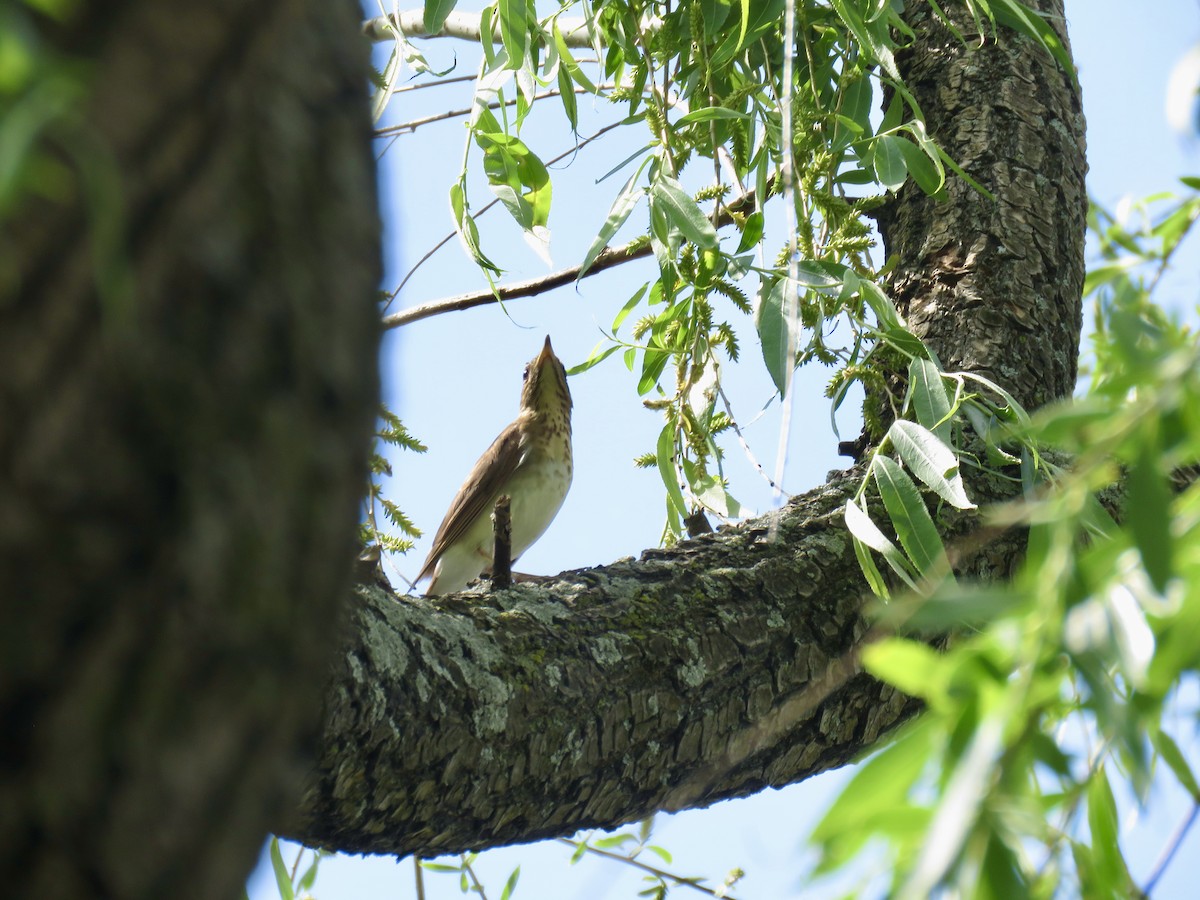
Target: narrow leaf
x: 914, y: 526
x: 772, y: 325
x: 930, y: 400
x: 622, y: 206
x: 888, y: 160
x: 666, y: 467
x: 515, y: 16
x: 1173, y: 757
x: 435, y: 14
x: 865, y: 531
x: 931, y: 460
x: 667, y: 194
x: 283, y: 880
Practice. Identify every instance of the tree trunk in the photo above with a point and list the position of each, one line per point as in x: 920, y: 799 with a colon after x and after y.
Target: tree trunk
x: 188, y: 334
x: 730, y: 662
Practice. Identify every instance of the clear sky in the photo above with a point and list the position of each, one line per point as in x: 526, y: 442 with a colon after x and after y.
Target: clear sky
x: 455, y: 381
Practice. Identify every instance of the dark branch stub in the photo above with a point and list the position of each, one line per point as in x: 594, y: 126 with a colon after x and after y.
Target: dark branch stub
x: 502, y: 555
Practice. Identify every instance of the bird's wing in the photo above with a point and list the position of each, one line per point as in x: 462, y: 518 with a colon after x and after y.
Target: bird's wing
x: 476, y: 493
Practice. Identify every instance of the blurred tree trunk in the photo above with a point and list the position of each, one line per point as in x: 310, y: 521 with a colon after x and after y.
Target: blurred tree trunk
x: 183, y: 426
x: 188, y: 340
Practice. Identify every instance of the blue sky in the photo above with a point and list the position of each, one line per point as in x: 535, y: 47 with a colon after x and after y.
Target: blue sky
x: 471, y: 361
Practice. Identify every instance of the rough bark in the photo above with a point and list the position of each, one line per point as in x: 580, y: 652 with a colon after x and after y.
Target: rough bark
x: 730, y: 663
x: 994, y: 287
x: 186, y: 397
x: 711, y: 670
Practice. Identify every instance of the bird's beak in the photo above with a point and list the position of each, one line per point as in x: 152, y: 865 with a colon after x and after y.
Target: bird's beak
x: 547, y: 353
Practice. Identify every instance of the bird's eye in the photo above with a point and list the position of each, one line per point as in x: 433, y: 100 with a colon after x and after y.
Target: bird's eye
x: 525, y: 374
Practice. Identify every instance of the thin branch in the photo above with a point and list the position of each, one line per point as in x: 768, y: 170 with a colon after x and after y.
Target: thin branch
x: 441, y: 82
x: 653, y: 870
x: 449, y: 237
x: 414, y: 124
x: 1171, y: 850
x: 461, y: 25
x: 635, y: 249
x: 612, y: 257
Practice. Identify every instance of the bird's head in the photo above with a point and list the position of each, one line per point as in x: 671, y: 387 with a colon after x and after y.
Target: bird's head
x: 545, y: 389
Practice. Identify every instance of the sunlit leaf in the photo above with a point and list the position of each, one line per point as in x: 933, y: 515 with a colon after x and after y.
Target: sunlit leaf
x: 928, y: 457
x: 930, y: 400
x: 435, y: 14
x: 622, y: 206
x: 515, y: 18
x: 771, y: 320
x: 682, y: 212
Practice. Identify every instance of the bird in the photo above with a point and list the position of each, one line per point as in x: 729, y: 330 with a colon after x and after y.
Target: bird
x: 530, y: 462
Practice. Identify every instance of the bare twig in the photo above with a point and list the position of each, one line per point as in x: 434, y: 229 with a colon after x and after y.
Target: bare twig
x: 420, y: 877
x: 532, y: 287
x: 441, y: 82
x: 1171, y: 849
x: 653, y: 870
x: 449, y: 237
x: 635, y: 249
x: 414, y: 124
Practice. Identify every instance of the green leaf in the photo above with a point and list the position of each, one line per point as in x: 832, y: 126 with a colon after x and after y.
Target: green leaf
x: 467, y: 230
x: 888, y: 160
x: 515, y: 18
x: 913, y: 667
x: 665, y: 455
x: 435, y: 14
x: 1173, y: 757
x: 1102, y: 823
x: 566, y: 92
x: 622, y: 206
x: 518, y: 178
x: 283, y: 880
x: 596, y: 357
x: 930, y: 400
x: 871, y: 45
x: 771, y: 321
x: 511, y: 884
x: 668, y: 195
x: 653, y: 363
x: 1149, y: 510
x: 931, y: 460
x: 870, y: 571
x: 962, y: 173
x: 568, y: 61
x: 879, y: 784
x: 910, y: 518
x: 711, y: 113
x: 926, y: 171
x: 629, y: 306
x: 752, y: 232
x: 1030, y: 23
x: 865, y: 531
x: 881, y: 304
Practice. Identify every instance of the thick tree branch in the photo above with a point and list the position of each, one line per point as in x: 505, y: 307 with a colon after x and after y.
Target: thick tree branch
x: 711, y: 670
x: 461, y: 25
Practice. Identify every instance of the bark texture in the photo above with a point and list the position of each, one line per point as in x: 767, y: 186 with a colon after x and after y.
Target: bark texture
x: 994, y: 286
x: 712, y: 670
x: 729, y: 663
x: 186, y: 398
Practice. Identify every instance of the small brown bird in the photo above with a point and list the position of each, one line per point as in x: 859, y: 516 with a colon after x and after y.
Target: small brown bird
x: 530, y: 461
